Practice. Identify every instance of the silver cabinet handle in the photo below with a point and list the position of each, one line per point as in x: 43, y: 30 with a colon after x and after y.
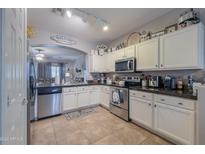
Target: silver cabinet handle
x: 161, y: 65
x: 155, y: 105
x: 150, y: 104
x: 8, y: 100
x: 156, y: 65
x: 180, y: 103
x: 162, y: 99
x: 25, y: 101
x: 143, y: 96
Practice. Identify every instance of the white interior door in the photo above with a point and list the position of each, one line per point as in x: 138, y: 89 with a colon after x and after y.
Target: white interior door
x: 14, y: 108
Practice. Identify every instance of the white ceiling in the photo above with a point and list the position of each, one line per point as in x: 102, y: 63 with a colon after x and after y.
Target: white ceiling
x: 121, y: 21
x: 59, y: 53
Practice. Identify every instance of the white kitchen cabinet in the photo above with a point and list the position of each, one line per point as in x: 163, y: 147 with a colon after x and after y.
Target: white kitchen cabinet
x: 148, y: 55
x: 94, y: 95
x: 111, y: 58
x: 83, y: 99
x: 174, y: 122
x: 83, y: 96
x: 183, y: 49
x: 105, y: 99
x: 69, y: 101
x: 125, y: 53
x: 141, y: 111
x: 97, y: 63
x: 120, y: 54
x: 105, y: 95
x: 141, y: 108
x: 130, y: 52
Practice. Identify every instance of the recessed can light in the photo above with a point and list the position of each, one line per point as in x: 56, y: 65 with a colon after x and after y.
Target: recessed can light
x: 68, y: 13
x: 105, y: 28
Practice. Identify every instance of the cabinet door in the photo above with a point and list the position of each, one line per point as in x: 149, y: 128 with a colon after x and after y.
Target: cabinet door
x: 130, y: 52
x: 105, y: 99
x: 69, y: 101
x: 111, y: 61
x: 141, y: 111
x: 181, y: 49
x: 120, y: 54
x: 148, y: 55
x: 97, y: 63
x: 174, y: 122
x: 83, y: 99
x: 94, y: 97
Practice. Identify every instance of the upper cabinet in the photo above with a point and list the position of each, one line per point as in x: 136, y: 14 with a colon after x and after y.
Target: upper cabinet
x: 183, y: 49
x: 120, y: 54
x: 125, y: 53
x: 130, y: 52
x: 106, y: 63
x: 148, y: 55
x: 97, y: 63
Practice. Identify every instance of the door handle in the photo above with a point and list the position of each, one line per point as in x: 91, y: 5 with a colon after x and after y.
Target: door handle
x: 25, y: 101
x: 8, y: 100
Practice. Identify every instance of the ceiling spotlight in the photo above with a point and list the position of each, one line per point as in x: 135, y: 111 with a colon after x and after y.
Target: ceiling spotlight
x: 105, y: 28
x: 40, y: 55
x: 68, y: 13
x: 39, y: 58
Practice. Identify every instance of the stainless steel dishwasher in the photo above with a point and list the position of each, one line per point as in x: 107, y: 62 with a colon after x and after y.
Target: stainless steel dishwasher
x: 49, y: 101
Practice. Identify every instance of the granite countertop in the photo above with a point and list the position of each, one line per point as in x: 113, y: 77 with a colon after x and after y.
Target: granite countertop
x: 75, y: 85
x: 178, y: 93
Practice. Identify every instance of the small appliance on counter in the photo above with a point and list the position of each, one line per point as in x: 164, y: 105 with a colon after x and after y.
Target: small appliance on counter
x: 108, y: 81
x: 102, y: 78
x: 133, y: 81
x: 155, y: 82
x: 173, y: 83
x: 170, y: 82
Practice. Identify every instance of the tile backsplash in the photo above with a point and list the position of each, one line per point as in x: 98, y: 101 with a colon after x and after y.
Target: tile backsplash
x: 198, y: 75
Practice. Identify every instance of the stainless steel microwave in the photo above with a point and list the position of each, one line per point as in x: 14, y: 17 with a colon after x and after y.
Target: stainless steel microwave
x: 125, y: 65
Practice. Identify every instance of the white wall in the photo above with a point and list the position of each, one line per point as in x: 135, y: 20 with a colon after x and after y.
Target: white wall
x: 0, y: 69
x: 158, y: 24
x: 43, y: 37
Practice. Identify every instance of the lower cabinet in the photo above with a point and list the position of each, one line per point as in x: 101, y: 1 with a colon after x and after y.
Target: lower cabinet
x: 141, y: 111
x: 105, y: 99
x: 94, y: 97
x: 83, y: 99
x: 69, y: 101
x: 172, y: 117
x: 174, y: 122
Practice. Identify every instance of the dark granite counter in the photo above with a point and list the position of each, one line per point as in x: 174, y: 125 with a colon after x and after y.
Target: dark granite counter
x: 77, y: 85
x: 178, y: 93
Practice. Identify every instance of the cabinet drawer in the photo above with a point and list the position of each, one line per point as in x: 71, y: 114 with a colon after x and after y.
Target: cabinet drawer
x: 105, y: 88
x: 94, y: 88
x: 83, y: 88
x: 142, y: 95
x: 70, y: 89
x: 175, y: 101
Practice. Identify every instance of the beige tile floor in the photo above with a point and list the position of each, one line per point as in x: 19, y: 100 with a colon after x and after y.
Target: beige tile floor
x: 99, y: 127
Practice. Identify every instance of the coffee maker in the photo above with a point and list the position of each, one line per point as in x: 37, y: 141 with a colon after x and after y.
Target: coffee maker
x: 155, y: 82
